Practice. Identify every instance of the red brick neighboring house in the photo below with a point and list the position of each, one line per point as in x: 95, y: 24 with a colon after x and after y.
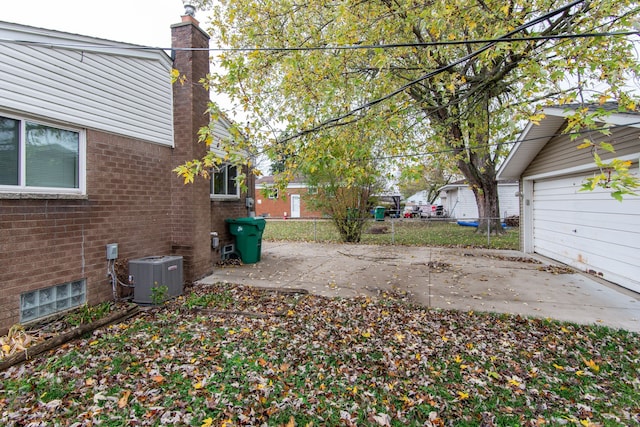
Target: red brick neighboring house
x: 292, y: 203
x: 90, y: 131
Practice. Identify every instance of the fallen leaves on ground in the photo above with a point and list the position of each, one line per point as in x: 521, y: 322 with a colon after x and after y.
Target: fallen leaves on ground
x: 17, y: 339
x: 362, y: 361
x: 20, y: 339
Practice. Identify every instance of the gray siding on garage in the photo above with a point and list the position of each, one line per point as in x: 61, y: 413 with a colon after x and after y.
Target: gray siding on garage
x: 561, y: 153
x: 88, y: 82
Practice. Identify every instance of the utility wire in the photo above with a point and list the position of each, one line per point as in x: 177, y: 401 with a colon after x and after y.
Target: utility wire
x: 316, y: 48
x: 335, y: 121
x: 425, y: 44
x: 494, y: 144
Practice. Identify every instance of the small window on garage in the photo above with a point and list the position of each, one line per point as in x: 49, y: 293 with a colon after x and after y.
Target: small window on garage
x: 54, y: 299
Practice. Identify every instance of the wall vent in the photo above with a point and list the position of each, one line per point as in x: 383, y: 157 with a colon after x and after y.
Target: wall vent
x: 228, y: 251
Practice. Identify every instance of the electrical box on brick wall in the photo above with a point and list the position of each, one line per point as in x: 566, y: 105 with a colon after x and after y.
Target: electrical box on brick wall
x: 112, y: 251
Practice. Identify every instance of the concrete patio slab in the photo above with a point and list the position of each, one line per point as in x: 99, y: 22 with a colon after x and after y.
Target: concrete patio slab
x: 448, y: 278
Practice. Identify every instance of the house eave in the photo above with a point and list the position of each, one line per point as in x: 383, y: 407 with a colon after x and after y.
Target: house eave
x: 535, y: 136
x: 455, y: 186
x: 529, y: 143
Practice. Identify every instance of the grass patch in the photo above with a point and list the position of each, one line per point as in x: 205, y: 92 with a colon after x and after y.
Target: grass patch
x: 411, y: 232
x: 331, y: 362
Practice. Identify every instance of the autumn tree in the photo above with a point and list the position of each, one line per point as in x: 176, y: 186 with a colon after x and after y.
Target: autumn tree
x: 464, y: 75
x: 346, y: 174
x: 430, y: 174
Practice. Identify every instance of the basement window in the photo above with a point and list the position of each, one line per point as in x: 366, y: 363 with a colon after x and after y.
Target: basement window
x: 54, y: 299
x: 36, y: 157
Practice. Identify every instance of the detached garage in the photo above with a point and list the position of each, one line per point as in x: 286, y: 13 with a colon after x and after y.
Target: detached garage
x: 588, y: 230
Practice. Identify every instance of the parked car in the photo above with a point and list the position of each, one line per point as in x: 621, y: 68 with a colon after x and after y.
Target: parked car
x: 427, y: 211
x: 432, y: 211
x: 411, y: 211
x: 424, y: 211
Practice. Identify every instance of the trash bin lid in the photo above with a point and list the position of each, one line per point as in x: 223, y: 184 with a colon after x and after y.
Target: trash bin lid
x: 256, y: 222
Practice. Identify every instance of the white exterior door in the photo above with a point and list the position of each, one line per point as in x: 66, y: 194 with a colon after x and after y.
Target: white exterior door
x: 295, y: 206
x: 588, y: 230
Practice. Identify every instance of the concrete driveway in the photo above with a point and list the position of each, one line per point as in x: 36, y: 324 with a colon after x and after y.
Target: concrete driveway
x: 448, y: 278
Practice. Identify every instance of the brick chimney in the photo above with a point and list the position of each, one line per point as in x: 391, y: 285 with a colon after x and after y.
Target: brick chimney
x: 191, y: 203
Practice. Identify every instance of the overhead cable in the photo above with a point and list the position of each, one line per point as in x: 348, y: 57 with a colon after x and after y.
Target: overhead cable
x: 335, y: 121
x: 316, y: 48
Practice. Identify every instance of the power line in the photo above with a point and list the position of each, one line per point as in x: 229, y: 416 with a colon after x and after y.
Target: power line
x: 495, y: 144
x: 320, y: 48
x: 335, y: 121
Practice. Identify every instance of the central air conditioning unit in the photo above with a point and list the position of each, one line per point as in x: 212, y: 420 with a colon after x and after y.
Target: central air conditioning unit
x: 156, y: 272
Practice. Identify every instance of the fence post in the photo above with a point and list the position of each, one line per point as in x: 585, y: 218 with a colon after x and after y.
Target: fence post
x: 315, y: 230
x: 393, y: 232
x: 488, y: 233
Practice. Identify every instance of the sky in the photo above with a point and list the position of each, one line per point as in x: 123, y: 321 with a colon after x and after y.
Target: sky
x: 143, y: 22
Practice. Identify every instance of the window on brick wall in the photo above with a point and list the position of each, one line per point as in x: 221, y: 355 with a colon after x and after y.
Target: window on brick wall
x: 273, y: 193
x: 45, y: 302
x: 224, y: 182
x: 37, y: 157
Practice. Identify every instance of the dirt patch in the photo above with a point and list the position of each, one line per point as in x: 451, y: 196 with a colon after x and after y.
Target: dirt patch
x: 556, y: 269
x: 378, y: 230
x: 522, y: 259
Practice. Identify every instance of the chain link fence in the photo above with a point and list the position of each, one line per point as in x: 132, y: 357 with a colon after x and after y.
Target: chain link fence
x: 399, y: 231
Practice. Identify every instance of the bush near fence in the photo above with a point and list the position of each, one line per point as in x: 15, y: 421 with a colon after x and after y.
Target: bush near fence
x: 401, y: 231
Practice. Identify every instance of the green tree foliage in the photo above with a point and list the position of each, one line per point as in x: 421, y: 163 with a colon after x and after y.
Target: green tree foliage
x: 430, y: 175
x: 480, y: 71
x: 346, y: 176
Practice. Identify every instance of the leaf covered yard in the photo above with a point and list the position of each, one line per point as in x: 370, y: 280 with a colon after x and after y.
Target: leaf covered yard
x: 230, y: 355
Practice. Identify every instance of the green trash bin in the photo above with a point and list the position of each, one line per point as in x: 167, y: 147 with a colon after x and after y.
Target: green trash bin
x: 248, y: 234
x: 379, y: 213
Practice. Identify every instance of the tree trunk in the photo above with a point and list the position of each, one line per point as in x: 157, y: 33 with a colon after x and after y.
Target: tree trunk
x: 488, y: 208
x: 480, y: 172
x: 349, y: 224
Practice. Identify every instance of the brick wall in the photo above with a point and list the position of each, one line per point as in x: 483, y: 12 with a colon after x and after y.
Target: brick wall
x: 45, y: 242
x: 194, y: 214
x: 221, y: 210
x: 191, y: 211
x: 133, y: 199
x: 275, y: 208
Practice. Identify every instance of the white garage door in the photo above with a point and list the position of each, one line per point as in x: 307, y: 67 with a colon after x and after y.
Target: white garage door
x: 590, y: 231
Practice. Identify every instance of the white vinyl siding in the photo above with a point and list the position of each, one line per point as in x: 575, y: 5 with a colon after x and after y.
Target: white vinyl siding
x: 590, y: 231
x: 118, y: 90
x: 460, y: 202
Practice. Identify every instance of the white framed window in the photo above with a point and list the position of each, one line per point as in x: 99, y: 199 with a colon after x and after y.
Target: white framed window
x: 36, y: 157
x: 273, y: 193
x: 54, y: 299
x: 224, y: 182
